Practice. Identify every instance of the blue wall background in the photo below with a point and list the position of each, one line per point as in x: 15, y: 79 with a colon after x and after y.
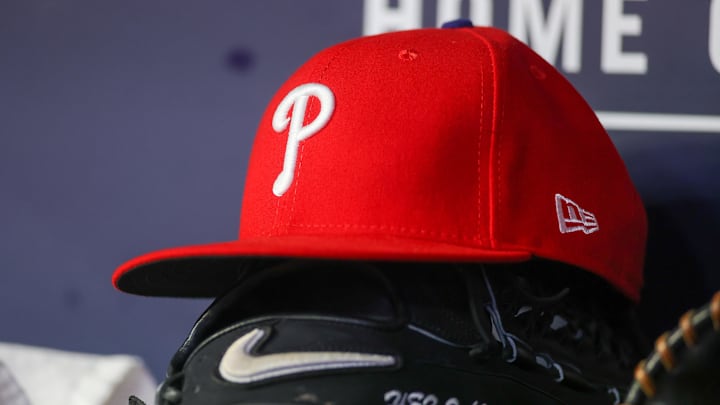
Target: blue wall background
x: 126, y: 126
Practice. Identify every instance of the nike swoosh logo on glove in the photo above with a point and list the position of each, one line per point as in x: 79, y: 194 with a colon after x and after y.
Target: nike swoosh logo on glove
x: 240, y: 366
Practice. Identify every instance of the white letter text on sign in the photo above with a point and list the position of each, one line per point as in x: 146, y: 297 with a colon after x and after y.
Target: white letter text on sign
x: 616, y: 25
x: 714, y: 35
x: 543, y: 33
x: 297, y: 99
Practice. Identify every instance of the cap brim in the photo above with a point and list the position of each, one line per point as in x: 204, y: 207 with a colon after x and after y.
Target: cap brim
x: 208, y: 270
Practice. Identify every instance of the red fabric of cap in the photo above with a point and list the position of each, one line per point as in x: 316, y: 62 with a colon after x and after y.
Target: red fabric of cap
x: 426, y: 145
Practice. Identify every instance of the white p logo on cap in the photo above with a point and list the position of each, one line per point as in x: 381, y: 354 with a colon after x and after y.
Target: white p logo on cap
x: 298, y: 99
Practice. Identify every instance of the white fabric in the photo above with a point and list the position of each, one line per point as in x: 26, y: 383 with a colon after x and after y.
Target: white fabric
x: 52, y: 377
x: 10, y: 391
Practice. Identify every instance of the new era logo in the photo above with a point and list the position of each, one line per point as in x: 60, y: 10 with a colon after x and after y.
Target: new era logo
x: 572, y: 218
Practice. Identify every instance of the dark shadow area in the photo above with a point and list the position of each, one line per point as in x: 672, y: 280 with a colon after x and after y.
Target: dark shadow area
x: 678, y: 275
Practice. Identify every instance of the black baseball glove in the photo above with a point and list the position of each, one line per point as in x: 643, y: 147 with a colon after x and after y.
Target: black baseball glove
x: 407, y: 334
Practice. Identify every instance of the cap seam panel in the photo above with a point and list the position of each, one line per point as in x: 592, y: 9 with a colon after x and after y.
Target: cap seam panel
x: 498, y: 147
x: 393, y: 228
x: 491, y: 185
x: 479, y: 151
x: 275, y: 226
x: 298, y: 174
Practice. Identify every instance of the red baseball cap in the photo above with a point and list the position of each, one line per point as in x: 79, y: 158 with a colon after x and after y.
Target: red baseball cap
x: 449, y: 145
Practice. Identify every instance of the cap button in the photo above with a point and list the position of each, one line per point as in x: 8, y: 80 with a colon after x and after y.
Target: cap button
x: 459, y: 23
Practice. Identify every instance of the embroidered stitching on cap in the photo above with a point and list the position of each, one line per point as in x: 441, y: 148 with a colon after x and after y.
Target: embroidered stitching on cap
x: 297, y: 99
x: 572, y: 218
x: 457, y: 236
x: 489, y: 194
